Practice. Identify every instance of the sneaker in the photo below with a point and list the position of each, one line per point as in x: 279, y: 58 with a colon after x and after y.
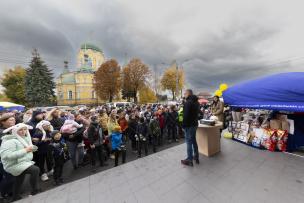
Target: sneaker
x: 50, y: 173
x: 103, y: 165
x: 16, y: 198
x: 57, y: 183
x: 44, y: 177
x: 35, y: 192
x: 187, y: 162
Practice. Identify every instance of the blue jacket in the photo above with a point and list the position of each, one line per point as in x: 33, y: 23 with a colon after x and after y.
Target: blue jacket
x: 116, y: 140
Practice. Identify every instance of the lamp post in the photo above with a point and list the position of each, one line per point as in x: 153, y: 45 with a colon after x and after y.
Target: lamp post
x: 177, y: 77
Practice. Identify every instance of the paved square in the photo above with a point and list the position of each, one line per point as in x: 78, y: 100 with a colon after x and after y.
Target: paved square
x: 238, y: 174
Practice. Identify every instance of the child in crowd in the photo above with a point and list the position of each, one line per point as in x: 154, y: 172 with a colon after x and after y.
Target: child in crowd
x: 70, y: 126
x: 42, y: 139
x: 117, y: 147
x: 155, y: 131
x: 59, y: 152
x: 141, y: 136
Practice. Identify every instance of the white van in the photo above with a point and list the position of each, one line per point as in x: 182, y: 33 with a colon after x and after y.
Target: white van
x: 121, y: 104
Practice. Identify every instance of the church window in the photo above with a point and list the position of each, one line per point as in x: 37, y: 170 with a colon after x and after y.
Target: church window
x: 70, y: 94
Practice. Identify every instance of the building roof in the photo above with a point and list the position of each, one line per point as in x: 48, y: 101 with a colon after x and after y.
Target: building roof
x: 68, y: 78
x: 90, y: 46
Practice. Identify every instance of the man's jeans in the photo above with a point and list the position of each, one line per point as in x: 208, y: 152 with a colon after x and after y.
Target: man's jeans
x: 190, y: 135
x: 76, y: 153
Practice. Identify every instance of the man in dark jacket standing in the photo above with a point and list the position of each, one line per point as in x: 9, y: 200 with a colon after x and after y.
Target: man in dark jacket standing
x: 190, y: 124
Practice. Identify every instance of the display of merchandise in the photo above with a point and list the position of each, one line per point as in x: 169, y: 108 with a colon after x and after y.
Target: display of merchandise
x: 255, y: 131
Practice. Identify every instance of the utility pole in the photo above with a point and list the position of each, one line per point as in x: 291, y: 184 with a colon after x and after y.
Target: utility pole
x: 176, y: 90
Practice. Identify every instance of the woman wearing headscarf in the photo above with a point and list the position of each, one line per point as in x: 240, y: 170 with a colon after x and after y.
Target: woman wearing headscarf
x: 16, y: 155
x: 7, y: 120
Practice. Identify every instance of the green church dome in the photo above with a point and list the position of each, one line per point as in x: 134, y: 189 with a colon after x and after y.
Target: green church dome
x: 90, y: 46
x: 68, y: 78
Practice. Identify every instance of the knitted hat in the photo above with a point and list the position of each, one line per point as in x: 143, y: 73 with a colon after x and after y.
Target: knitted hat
x: 55, y: 132
x: 14, y: 129
x: 40, y: 127
x: 6, y: 116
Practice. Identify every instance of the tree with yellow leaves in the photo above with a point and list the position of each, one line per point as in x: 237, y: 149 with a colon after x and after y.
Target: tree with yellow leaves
x: 135, y: 76
x: 107, y: 80
x: 147, y: 95
x: 13, y: 83
x: 168, y: 80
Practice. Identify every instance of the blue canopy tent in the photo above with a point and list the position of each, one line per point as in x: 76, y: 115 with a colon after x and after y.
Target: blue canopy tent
x: 8, y: 106
x: 280, y: 92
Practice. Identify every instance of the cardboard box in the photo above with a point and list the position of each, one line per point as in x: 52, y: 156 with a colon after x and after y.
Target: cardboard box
x: 275, y: 124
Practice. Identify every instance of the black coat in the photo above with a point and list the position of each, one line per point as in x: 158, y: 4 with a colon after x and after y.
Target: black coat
x: 142, y: 129
x: 191, y: 112
x: 94, y: 134
x: 172, y: 119
x: 57, y: 123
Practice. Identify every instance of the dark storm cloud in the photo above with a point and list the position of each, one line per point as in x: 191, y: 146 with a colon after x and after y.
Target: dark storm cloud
x: 229, y: 55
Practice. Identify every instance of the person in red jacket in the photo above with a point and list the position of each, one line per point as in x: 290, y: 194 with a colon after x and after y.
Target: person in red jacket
x: 123, y: 123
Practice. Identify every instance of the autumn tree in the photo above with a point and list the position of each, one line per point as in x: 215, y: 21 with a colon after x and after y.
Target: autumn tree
x: 107, y: 80
x: 168, y: 80
x: 13, y: 83
x: 126, y: 90
x: 39, y: 83
x: 3, y: 97
x: 147, y: 95
x: 136, y: 74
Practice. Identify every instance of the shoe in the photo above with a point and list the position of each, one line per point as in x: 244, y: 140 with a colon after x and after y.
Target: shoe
x: 35, y: 192
x: 197, y: 161
x: 50, y: 173
x: 57, y: 183
x: 103, y: 165
x: 187, y: 162
x: 44, y: 177
x: 112, y: 157
x: 61, y: 180
x: 16, y: 198
x: 93, y: 170
x: 75, y: 168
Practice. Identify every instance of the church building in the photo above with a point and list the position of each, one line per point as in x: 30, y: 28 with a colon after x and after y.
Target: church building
x: 76, y: 87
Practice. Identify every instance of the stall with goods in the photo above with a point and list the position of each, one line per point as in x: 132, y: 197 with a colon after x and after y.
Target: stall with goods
x: 276, y: 124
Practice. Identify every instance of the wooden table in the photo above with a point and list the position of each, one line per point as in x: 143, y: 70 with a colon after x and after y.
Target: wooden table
x: 208, y: 139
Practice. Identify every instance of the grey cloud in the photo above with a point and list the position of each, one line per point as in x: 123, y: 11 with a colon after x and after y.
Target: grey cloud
x: 231, y: 54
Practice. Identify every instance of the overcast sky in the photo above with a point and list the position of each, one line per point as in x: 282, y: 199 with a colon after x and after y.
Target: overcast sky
x: 221, y: 41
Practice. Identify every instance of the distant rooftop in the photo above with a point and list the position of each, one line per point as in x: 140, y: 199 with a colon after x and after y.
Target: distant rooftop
x: 90, y: 46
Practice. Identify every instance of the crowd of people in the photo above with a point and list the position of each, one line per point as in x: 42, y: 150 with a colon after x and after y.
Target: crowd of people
x: 39, y: 143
